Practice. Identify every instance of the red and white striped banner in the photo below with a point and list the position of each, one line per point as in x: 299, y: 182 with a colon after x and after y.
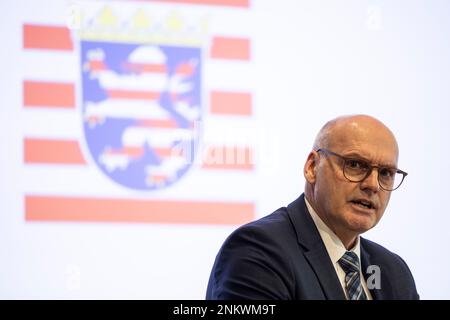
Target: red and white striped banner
x: 52, y: 101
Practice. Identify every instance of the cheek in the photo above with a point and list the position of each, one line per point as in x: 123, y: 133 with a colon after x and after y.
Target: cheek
x: 331, y: 182
x: 332, y: 191
x: 335, y: 198
x: 384, y: 200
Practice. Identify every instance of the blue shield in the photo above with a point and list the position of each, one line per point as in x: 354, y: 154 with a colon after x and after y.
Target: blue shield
x: 140, y: 106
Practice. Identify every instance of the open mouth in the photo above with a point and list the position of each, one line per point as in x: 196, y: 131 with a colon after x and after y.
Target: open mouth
x: 363, y: 203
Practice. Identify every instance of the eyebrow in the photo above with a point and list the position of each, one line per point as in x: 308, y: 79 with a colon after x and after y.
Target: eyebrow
x: 358, y: 156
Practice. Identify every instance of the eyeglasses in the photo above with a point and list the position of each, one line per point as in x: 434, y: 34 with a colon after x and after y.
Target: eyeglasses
x: 357, y: 170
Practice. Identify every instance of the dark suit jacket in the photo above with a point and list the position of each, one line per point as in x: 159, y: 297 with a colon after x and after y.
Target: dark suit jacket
x: 282, y: 256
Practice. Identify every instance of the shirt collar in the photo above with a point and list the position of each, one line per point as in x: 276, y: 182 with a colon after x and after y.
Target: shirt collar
x: 333, y: 244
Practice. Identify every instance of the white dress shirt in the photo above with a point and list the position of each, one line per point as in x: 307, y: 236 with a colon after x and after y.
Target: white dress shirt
x: 336, y: 249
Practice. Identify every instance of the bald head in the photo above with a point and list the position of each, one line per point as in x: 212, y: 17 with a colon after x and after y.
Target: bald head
x: 353, y: 128
x: 337, y: 199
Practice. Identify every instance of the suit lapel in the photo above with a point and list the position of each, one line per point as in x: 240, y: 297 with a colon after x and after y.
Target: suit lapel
x: 325, y: 272
x: 315, y: 252
x: 366, y: 261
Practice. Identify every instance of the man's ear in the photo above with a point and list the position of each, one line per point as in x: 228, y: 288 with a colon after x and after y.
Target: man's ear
x: 310, y: 169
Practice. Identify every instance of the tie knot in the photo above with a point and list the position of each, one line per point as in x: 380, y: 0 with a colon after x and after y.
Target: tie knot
x: 349, y: 262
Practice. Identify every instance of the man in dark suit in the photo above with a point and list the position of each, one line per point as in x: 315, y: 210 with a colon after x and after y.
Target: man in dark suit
x: 312, y: 248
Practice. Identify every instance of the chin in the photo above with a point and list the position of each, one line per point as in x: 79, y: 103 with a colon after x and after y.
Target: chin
x: 361, y: 223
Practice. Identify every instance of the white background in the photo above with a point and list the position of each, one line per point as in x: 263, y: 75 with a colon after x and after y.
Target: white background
x: 311, y: 61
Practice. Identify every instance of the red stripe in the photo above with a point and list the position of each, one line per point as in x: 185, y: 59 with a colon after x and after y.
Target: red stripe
x: 228, y: 158
x: 228, y: 3
x: 145, y: 67
x: 133, y: 152
x: 50, y: 208
x: 231, y: 103
x: 230, y: 48
x: 45, y: 151
x: 130, y: 94
x: 48, y: 94
x: 185, y: 69
x: 52, y: 151
x: 96, y: 65
x: 46, y: 37
x: 155, y: 123
x: 158, y: 178
x: 168, y: 152
x: 136, y: 152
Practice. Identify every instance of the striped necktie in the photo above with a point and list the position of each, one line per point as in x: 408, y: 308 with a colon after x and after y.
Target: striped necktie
x: 350, y: 264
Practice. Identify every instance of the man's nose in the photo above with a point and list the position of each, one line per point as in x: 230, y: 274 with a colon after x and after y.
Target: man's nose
x: 371, y: 182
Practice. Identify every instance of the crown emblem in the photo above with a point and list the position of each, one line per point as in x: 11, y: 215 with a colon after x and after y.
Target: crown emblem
x: 139, y: 25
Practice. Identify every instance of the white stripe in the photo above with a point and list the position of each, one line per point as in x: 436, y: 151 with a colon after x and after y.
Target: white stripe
x: 52, y: 66
x: 51, y: 123
x: 88, y: 180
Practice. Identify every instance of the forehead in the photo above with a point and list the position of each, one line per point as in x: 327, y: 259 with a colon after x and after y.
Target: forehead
x: 371, y: 141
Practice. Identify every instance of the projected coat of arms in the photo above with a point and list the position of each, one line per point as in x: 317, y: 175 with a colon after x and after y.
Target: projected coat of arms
x: 140, y: 103
x: 129, y: 99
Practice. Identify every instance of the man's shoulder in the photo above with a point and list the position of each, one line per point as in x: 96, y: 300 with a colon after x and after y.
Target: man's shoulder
x: 271, y: 224
x: 375, y: 248
x: 394, y: 270
x: 383, y: 255
x: 255, y: 261
x: 276, y: 218
x: 274, y: 229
